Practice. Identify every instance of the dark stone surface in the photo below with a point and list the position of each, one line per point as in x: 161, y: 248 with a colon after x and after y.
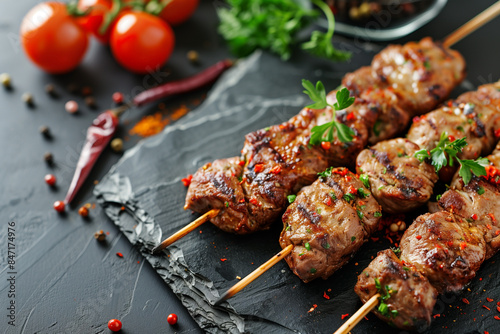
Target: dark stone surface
x: 66, y: 282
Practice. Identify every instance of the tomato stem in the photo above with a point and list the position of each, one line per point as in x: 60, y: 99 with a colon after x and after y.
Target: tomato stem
x: 72, y: 8
x: 111, y: 16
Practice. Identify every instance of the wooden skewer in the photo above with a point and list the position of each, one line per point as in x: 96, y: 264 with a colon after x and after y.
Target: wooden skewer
x: 481, y: 19
x: 185, y: 230
x: 360, y: 314
x: 256, y: 273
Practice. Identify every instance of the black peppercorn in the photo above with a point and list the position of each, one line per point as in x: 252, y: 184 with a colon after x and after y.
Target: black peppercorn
x: 49, y: 158
x: 45, y: 131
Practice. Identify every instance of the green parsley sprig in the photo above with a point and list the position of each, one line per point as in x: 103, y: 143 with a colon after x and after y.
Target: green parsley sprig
x: 321, y: 43
x: 446, y: 152
x: 318, y: 96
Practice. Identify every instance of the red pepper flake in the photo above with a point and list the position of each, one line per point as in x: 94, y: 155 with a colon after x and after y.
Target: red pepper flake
x: 340, y: 171
x: 498, y: 308
x: 375, y: 239
x: 486, y: 332
x: 449, y: 243
x: 486, y: 307
x: 328, y: 201
x: 254, y: 201
x: 312, y: 308
x: 465, y: 301
x: 276, y: 169
x: 350, y: 116
x: 451, y: 138
x: 480, y: 278
x: 325, y: 295
x: 258, y: 168
x: 187, y: 180
x: 119, y: 254
x: 492, y: 217
x: 352, y: 190
x: 326, y: 145
x: 496, y: 317
x: 489, y: 299
x: 419, y: 237
x: 241, y: 163
x: 497, y: 232
x: 450, y: 104
x: 497, y: 133
x: 463, y: 245
x: 223, y: 259
x: 242, y: 200
x: 348, y: 178
x: 436, y: 316
x: 343, y: 316
x: 474, y: 216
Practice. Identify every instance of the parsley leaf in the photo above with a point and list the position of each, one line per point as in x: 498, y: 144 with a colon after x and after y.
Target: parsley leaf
x: 326, y: 173
x: 366, y: 181
x: 321, y: 43
x: 469, y: 167
x: 318, y: 96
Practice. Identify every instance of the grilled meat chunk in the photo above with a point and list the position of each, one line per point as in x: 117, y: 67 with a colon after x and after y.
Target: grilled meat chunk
x: 216, y: 186
x: 494, y: 157
x: 475, y: 115
x: 445, y: 248
x: 398, y: 181
x: 327, y: 223
x: 412, y: 297
x: 421, y: 74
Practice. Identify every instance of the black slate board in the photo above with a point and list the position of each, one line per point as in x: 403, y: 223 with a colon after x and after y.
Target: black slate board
x: 259, y: 91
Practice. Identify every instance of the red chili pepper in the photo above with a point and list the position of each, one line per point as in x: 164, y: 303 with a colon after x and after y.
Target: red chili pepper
x: 276, y: 169
x: 474, y: 216
x: 343, y: 316
x: 183, y: 86
x: 350, y: 116
x: 241, y: 163
x: 98, y: 136
x: 258, y: 168
x: 419, y: 237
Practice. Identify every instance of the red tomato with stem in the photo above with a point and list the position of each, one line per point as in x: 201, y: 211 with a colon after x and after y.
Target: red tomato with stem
x: 52, y: 39
x: 178, y: 11
x: 141, y: 42
x: 93, y: 21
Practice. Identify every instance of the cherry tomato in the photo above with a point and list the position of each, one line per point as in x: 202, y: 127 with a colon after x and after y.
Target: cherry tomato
x: 178, y: 11
x: 52, y: 39
x: 114, y: 325
x: 141, y: 42
x: 172, y: 319
x: 59, y: 206
x: 50, y: 179
x: 93, y: 20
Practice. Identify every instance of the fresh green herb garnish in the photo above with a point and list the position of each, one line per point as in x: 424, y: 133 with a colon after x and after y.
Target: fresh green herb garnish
x: 326, y: 245
x: 377, y: 214
x: 396, y: 250
x: 362, y: 193
x: 226, y: 204
x: 326, y: 173
x: 385, y: 293
x: 321, y: 43
x: 353, y: 238
x: 291, y: 198
x: 480, y: 191
x: 366, y: 181
x: 438, y: 197
x: 333, y: 196
x: 288, y: 227
x: 360, y: 214
x: 446, y: 152
x: 348, y: 197
x: 406, y: 269
x: 318, y: 96
x: 313, y: 271
x: 307, y: 246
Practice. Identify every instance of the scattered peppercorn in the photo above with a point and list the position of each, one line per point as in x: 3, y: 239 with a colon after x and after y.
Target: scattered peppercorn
x: 117, y: 97
x: 51, y: 90
x: 114, y: 325
x: 59, y: 206
x: 394, y: 227
x: 49, y: 158
x: 100, y: 236
x: 117, y: 145
x: 6, y: 80
x: 90, y: 102
x: 83, y: 211
x: 50, y: 179
x: 86, y: 91
x: 71, y: 106
x: 193, y: 57
x: 45, y: 131
x: 28, y: 99
x: 172, y: 319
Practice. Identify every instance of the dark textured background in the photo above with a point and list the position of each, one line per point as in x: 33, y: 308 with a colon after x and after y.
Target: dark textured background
x: 67, y: 282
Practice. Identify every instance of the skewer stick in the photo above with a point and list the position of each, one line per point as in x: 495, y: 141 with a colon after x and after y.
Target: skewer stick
x: 185, y: 230
x: 360, y: 314
x: 481, y: 19
x: 255, y: 274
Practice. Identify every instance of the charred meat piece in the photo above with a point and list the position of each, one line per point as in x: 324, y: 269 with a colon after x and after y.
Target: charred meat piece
x: 398, y: 181
x: 327, y: 223
x: 494, y: 157
x: 412, y: 297
x: 445, y: 248
x: 477, y: 202
x: 473, y: 115
x: 216, y: 186
x: 422, y: 74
